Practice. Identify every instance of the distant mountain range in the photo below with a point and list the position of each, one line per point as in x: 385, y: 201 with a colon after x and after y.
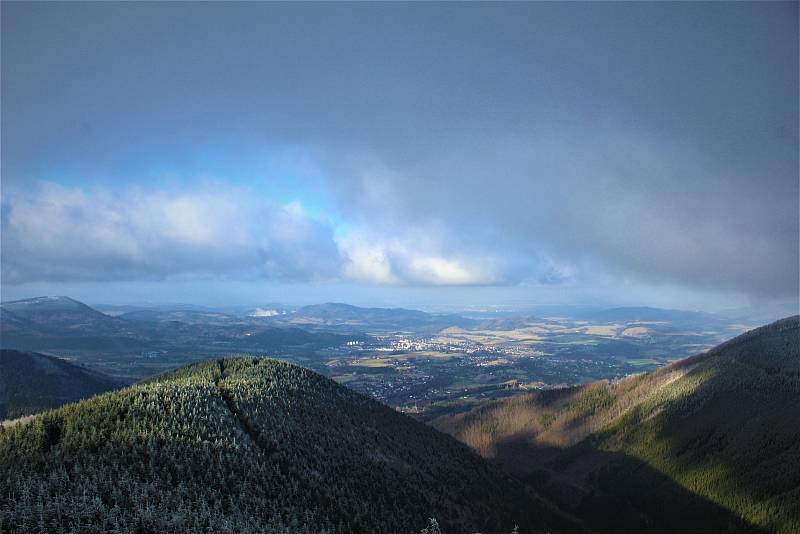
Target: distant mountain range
x: 32, y: 383
x: 61, y: 322
x: 135, y: 342
x: 56, y: 316
x: 63, y: 316
x: 706, y: 444
x: 247, y: 445
x: 64, y: 324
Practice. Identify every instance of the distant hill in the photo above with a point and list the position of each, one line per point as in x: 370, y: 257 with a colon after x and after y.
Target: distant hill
x: 249, y: 445
x: 347, y: 317
x: 32, y: 383
x: 64, y: 325
x: 61, y: 322
x: 61, y: 314
x: 706, y: 444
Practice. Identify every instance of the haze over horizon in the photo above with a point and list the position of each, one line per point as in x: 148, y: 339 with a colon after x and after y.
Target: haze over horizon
x: 414, y: 155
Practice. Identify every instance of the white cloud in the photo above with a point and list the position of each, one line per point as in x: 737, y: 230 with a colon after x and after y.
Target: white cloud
x: 445, y: 271
x: 57, y: 233
x: 409, y: 261
x: 648, y: 207
x: 61, y: 233
x: 367, y: 262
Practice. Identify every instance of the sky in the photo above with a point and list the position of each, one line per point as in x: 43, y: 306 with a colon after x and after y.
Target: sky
x: 414, y: 154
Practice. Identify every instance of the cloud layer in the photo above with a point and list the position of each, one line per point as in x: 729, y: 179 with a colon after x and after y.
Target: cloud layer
x: 389, y: 260
x: 501, y: 145
x: 61, y: 233
x: 650, y: 209
x: 57, y: 233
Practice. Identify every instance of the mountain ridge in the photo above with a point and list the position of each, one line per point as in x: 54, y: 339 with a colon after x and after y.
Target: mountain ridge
x: 253, y: 444
x: 723, y: 425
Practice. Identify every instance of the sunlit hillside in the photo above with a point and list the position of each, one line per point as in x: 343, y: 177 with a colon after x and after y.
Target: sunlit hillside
x: 718, y: 432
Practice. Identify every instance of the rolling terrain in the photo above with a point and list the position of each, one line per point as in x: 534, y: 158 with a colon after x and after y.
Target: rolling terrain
x: 247, y: 445
x: 709, y: 443
x: 426, y: 364
x: 32, y: 383
x: 142, y: 343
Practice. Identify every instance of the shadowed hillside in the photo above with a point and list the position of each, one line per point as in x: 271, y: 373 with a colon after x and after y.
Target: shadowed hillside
x: 32, y: 383
x: 242, y: 445
x: 708, y: 443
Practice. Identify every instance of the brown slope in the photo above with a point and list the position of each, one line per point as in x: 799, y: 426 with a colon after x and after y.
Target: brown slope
x: 707, y: 443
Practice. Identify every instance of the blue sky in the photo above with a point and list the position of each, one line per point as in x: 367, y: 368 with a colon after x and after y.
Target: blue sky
x: 399, y: 153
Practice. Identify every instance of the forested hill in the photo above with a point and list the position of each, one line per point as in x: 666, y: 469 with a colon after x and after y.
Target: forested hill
x: 707, y: 444
x: 246, y: 445
x: 32, y: 383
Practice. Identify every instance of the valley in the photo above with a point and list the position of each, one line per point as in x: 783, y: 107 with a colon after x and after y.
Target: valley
x: 420, y: 363
x: 458, y: 368
x: 707, y: 443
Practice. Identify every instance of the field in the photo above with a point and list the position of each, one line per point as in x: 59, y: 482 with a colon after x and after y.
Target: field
x: 417, y: 362
x: 429, y: 374
x: 458, y: 368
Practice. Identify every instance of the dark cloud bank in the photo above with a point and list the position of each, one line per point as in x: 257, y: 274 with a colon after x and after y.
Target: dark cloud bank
x: 466, y: 144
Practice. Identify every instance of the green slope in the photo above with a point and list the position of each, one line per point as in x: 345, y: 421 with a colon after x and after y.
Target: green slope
x: 247, y: 445
x: 711, y: 443
x: 32, y: 383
